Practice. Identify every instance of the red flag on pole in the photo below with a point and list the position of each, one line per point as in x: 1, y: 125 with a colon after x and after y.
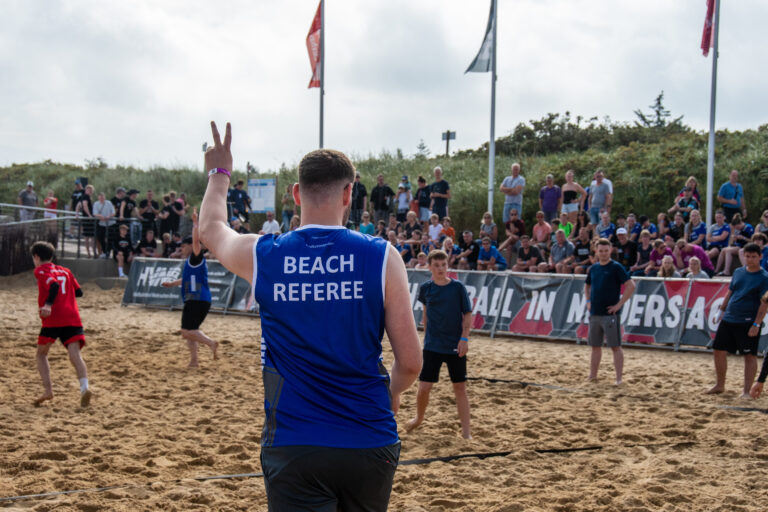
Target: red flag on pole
x: 313, y: 47
x: 707, y: 37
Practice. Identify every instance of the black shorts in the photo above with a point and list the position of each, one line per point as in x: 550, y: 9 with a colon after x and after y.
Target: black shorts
x: 733, y: 338
x: 194, y: 313
x: 433, y: 361
x: 67, y: 335
x: 318, y: 478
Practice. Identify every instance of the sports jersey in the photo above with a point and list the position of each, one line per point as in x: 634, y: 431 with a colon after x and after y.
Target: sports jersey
x: 446, y: 305
x: 194, y: 280
x: 746, y: 289
x: 695, y: 232
x: 716, y: 230
x: 64, y: 311
x: 606, y: 231
x: 320, y: 291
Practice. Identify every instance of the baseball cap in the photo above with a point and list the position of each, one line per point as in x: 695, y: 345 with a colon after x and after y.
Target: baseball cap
x: 120, y: 189
x: 405, y: 177
x: 132, y: 191
x: 30, y: 184
x: 401, y: 186
x: 78, y: 182
x: 621, y: 231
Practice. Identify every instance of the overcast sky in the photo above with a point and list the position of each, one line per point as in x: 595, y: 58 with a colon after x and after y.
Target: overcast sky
x: 136, y: 82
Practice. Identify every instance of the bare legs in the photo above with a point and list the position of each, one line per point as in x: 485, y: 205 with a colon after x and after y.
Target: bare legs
x: 462, y: 405
x: 194, y: 338
x: 44, y: 368
x: 618, y: 362
x: 721, y: 368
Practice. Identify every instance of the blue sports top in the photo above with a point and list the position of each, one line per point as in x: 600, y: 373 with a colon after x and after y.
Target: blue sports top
x: 194, y: 281
x: 320, y: 291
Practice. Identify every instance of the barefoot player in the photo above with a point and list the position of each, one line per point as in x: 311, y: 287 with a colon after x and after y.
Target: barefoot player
x: 57, y: 289
x: 447, y: 320
x: 195, y: 293
x: 757, y: 387
x: 738, y: 332
x: 604, y: 301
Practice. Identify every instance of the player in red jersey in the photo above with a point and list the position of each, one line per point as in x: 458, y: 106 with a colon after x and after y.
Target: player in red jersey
x: 57, y: 289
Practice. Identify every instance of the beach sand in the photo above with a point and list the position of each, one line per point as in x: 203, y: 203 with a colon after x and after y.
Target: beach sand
x: 655, y: 443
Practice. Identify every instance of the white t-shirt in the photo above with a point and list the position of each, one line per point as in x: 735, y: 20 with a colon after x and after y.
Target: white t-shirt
x: 435, y: 230
x: 271, y: 227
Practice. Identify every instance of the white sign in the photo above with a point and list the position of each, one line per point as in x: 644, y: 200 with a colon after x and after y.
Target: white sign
x: 262, y: 192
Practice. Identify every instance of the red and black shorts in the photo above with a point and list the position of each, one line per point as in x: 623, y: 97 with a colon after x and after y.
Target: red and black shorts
x: 67, y: 335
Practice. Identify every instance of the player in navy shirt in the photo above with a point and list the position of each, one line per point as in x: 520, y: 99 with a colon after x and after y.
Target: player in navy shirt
x: 447, y: 320
x: 326, y: 295
x: 604, y: 301
x: 735, y: 334
x: 195, y: 293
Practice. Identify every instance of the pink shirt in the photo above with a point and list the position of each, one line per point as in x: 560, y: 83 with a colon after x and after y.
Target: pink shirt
x: 541, y: 232
x: 695, y: 250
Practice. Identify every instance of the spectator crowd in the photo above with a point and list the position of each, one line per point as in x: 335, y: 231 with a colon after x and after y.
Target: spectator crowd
x: 415, y: 220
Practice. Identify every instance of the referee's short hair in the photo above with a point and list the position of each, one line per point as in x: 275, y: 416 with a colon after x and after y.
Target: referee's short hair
x: 436, y: 254
x: 324, y: 167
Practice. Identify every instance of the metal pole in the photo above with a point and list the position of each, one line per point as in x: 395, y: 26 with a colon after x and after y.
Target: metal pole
x: 322, y: 66
x: 447, y: 141
x: 711, y: 146
x: 492, y: 142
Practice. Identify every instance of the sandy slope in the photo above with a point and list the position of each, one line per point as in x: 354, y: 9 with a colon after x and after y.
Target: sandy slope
x: 154, y: 424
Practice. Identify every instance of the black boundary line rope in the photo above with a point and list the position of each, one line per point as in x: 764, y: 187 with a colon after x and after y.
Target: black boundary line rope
x: 410, y: 462
x: 744, y: 409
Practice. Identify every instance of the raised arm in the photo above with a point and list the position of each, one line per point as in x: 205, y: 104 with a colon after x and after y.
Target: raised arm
x: 195, y: 233
x: 233, y: 250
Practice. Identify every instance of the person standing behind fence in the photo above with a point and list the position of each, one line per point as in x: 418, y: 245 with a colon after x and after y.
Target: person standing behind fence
x: 381, y: 196
x: 600, y: 197
x: 602, y: 290
x: 512, y: 187
x: 88, y: 220
x: 422, y: 196
x: 195, y: 293
x: 439, y: 193
x: 148, y: 210
x: 27, y: 197
x: 550, y: 198
x: 51, y: 204
x: 447, y: 320
x: 735, y: 334
x: 105, y: 212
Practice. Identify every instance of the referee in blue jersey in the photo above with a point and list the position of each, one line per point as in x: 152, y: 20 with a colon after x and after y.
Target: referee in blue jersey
x: 195, y: 293
x: 326, y: 295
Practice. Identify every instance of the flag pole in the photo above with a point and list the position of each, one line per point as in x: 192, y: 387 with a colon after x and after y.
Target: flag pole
x: 711, y: 145
x: 322, y: 66
x: 492, y: 141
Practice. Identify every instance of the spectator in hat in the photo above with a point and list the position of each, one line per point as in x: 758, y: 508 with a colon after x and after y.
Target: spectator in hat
x: 405, y: 183
x: 27, y: 197
x: 624, y: 249
x: 439, y: 193
x: 359, y: 201
x: 403, y: 202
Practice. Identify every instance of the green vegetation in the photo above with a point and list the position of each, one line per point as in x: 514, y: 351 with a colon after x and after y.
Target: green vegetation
x: 647, y: 160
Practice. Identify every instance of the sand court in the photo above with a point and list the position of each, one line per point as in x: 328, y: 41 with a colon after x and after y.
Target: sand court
x: 543, y: 439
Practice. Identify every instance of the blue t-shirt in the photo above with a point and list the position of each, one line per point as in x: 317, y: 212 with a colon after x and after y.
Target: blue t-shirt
x: 746, y: 289
x: 764, y: 259
x: 606, y: 231
x: 320, y: 291
x: 367, y: 229
x: 493, y: 252
x: 716, y: 230
x: 605, y: 282
x: 728, y: 191
x: 445, y: 306
x: 194, y: 281
x: 695, y: 233
x: 407, y: 254
x: 747, y: 231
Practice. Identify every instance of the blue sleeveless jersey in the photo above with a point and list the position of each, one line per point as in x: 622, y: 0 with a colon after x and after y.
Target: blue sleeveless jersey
x: 194, y: 282
x: 320, y: 291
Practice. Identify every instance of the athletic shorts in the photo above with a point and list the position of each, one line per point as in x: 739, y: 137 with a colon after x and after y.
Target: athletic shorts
x: 433, y: 361
x: 732, y: 337
x: 570, y: 207
x: 606, y: 327
x: 323, y: 479
x: 194, y: 313
x: 67, y: 335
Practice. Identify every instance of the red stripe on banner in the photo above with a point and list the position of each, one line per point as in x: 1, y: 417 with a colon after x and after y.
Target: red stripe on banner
x: 520, y: 325
x: 313, y: 48
x: 639, y: 338
x: 582, y: 331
